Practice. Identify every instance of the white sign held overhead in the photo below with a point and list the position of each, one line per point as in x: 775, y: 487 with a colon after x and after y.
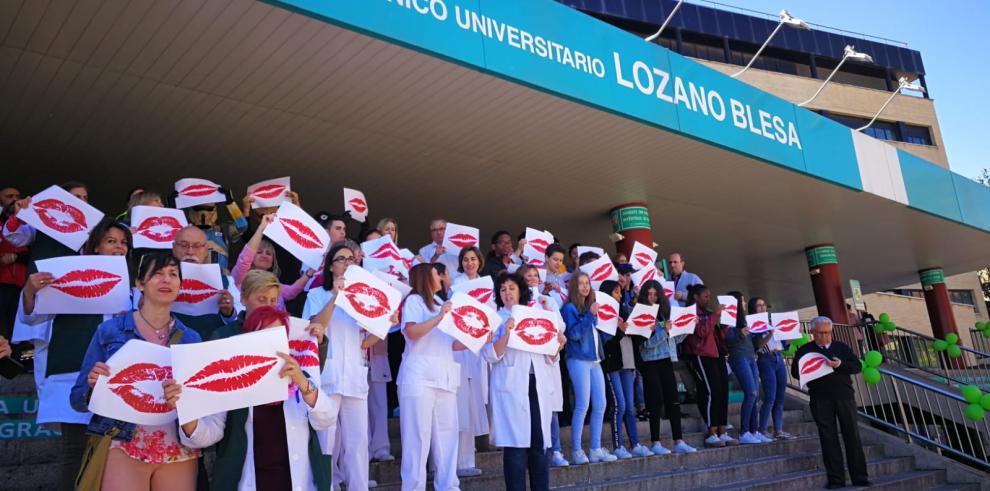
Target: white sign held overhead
x: 381, y: 253
x: 270, y: 193
x: 356, y: 204
x: 786, y: 326
x: 648, y: 273
x: 300, y: 234
x: 597, y: 250
x: 730, y: 307
x: 642, y: 256
x: 155, y: 227
x: 600, y: 270
x: 457, y: 237
x: 194, y: 192
x: 535, y: 249
x: 60, y: 215
x: 758, y: 323
x: 85, y: 285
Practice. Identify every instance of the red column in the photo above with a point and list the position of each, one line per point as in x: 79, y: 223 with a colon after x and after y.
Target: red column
x: 632, y: 220
x: 823, y: 266
x: 937, y: 300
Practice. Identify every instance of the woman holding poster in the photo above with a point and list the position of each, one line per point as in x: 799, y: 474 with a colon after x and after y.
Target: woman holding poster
x: 584, y: 353
x: 742, y: 360
x: 345, y: 376
x: 658, y: 354
x: 60, y: 342
x: 259, y: 253
x: 427, y: 384
x: 141, y: 456
x: 520, y: 380
x: 708, y: 367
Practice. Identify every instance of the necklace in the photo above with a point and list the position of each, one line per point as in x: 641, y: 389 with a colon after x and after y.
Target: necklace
x: 159, y: 331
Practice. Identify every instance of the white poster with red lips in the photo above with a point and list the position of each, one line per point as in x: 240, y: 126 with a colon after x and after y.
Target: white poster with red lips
x: 60, y: 215
x: 683, y: 320
x: 369, y: 300
x: 813, y: 366
x: 608, y: 313
x: 642, y: 256
x: 786, y: 326
x: 85, y: 285
x: 133, y: 391
x: 200, y: 290
x: 758, y: 323
x: 597, y: 250
x: 231, y: 373
x: 469, y: 321
x: 668, y: 289
x: 457, y: 237
x: 730, y: 307
x: 355, y: 203
x: 303, y: 347
x: 481, y: 289
x: 299, y: 234
x: 194, y: 192
x: 642, y: 320
x: 535, y: 249
x: 393, y: 282
x: 535, y: 331
x: 408, y: 257
x: 270, y: 193
x: 645, y: 274
x: 600, y: 270
x: 381, y: 253
x: 155, y: 227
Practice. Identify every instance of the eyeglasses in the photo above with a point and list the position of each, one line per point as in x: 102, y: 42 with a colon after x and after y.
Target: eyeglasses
x: 189, y: 245
x: 343, y: 259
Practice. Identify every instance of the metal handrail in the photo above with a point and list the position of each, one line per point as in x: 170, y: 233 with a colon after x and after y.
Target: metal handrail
x: 980, y: 342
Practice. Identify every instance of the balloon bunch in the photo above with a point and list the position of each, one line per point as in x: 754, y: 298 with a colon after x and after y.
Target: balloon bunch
x: 979, y: 403
x: 884, y: 324
x: 871, y: 367
x: 950, y: 345
x: 797, y: 343
x: 984, y: 327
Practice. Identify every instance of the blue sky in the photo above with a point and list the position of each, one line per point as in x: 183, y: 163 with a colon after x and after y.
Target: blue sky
x: 950, y: 36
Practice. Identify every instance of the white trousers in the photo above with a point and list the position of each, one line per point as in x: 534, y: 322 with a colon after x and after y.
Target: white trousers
x: 350, y: 445
x: 378, y: 418
x: 428, y: 415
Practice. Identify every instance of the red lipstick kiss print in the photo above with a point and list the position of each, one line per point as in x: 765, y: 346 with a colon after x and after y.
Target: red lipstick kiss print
x: 463, y: 240
x: 644, y: 320
x: 684, y: 320
x: 539, y: 245
x: 536, y: 332
x: 536, y: 262
x: 386, y: 251
x: 159, y: 229
x: 787, y: 325
x: 198, y: 190
x: 667, y: 292
x: 759, y: 326
x: 269, y: 191
x: 86, y: 283
x: 305, y: 352
x: 230, y: 374
x: 367, y: 300
x: 650, y: 275
x: 123, y: 385
x: 483, y: 295
x: 813, y: 364
x: 471, y: 320
x: 300, y: 233
x: 59, y: 216
x: 195, y: 291
x: 358, y: 204
x: 731, y: 310
x: 606, y: 313
x: 643, y: 258
x: 602, y: 273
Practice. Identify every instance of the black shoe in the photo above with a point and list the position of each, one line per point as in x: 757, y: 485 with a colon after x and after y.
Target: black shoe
x: 862, y: 483
x: 833, y: 485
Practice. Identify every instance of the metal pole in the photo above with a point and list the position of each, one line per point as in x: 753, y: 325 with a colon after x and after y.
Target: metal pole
x: 900, y: 405
x: 665, y: 22
x: 765, y: 43
x: 822, y: 87
x: 884, y: 106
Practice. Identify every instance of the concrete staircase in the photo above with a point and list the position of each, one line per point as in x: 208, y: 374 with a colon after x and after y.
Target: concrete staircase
x: 28, y: 452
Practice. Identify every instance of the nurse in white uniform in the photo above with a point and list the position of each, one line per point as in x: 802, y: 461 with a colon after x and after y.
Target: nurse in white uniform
x: 522, y: 395
x: 427, y: 386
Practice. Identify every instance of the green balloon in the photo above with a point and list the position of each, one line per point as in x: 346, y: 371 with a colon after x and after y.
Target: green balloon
x: 980, y: 325
x: 871, y: 375
x: 874, y: 359
x: 890, y: 327
x: 985, y: 401
x: 954, y: 351
x: 972, y: 394
x: 940, y: 345
x: 803, y: 340
x: 884, y: 318
x: 878, y: 328
x: 986, y: 333
x: 974, y: 412
x: 952, y: 338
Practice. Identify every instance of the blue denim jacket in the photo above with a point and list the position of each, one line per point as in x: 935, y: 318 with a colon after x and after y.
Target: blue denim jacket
x: 658, y: 346
x: 580, y: 335
x: 109, y: 337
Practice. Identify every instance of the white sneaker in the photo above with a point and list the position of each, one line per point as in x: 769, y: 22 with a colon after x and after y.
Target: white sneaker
x: 578, y: 457
x: 372, y: 483
x: 601, y: 455
x: 659, y: 449
x: 383, y: 456
x: 641, y: 451
x: 558, y: 460
x: 622, y: 453
x: 749, y: 439
x: 714, y: 441
x: 764, y: 437
x: 729, y: 426
x: 728, y: 440
x: 469, y: 472
x: 682, y: 447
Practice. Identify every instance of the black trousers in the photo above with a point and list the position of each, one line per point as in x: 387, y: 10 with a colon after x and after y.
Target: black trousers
x: 660, y: 390
x: 713, y: 388
x: 9, y: 296
x: 826, y: 412
x: 517, y: 462
x: 73, y: 446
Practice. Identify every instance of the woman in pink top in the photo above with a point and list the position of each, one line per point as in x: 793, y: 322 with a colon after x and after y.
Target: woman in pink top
x: 259, y: 253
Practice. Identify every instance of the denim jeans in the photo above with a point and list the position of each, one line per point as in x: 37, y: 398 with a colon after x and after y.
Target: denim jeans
x: 744, y: 367
x: 555, y: 433
x: 589, y: 386
x: 517, y: 462
x: 638, y: 388
x: 773, y: 374
x: 625, y: 410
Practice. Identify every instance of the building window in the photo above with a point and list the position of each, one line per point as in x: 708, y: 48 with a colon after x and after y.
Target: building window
x: 918, y: 135
x: 882, y: 130
x: 886, y: 130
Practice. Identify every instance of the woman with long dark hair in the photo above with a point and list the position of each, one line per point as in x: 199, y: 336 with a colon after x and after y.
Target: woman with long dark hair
x: 773, y: 375
x: 707, y: 365
x: 742, y: 360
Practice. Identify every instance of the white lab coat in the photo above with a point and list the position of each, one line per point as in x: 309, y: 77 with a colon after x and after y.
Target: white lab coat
x: 510, y: 391
x: 447, y: 259
x: 299, y: 417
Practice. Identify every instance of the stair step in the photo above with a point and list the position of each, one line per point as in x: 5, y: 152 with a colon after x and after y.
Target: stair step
x: 29, y: 477
x: 911, y: 479
x: 34, y: 452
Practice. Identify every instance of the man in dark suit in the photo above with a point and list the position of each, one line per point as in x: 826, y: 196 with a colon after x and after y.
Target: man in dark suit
x: 833, y: 399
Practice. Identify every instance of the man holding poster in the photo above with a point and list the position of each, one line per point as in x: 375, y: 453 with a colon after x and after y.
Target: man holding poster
x: 834, y: 399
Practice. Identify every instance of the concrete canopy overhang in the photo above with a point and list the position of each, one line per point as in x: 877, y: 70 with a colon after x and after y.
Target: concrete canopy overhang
x: 145, y: 92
